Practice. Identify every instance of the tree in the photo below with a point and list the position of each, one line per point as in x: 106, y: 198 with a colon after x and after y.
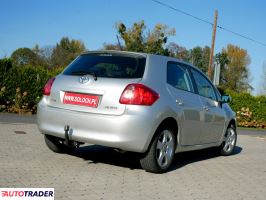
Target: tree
x: 65, y: 51
x: 157, y: 38
x: 222, y: 59
x: 5, y: 66
x: 236, y: 73
x: 136, y: 39
x: 23, y: 57
x: 40, y: 59
x: 107, y: 46
x: 178, y: 51
x: 205, y: 58
x: 43, y: 55
x: 133, y: 38
x: 46, y: 55
x: 200, y: 57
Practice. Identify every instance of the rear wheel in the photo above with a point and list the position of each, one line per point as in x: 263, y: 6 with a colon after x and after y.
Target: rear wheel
x: 229, y: 142
x: 161, y: 152
x: 56, y: 144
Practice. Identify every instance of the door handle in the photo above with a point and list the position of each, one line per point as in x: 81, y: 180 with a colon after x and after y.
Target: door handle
x: 179, y: 102
x: 206, y: 108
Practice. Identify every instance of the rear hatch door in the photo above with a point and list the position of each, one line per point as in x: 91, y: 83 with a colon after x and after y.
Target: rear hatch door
x: 94, y: 82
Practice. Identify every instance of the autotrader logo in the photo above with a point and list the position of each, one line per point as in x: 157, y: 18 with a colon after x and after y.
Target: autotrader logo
x: 27, y: 193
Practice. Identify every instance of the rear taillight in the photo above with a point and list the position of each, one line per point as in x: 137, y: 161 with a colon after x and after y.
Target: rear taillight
x: 48, y: 86
x: 138, y: 94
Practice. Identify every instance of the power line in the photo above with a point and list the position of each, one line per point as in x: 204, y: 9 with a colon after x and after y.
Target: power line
x: 208, y: 22
x: 185, y: 13
x: 241, y: 35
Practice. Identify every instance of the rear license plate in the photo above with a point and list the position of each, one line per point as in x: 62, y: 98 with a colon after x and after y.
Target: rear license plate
x: 80, y: 99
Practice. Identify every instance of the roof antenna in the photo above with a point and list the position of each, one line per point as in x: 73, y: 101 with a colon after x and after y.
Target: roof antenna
x: 119, y: 42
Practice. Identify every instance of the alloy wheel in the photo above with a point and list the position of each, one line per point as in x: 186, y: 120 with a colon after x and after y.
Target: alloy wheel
x: 230, y: 139
x: 165, y: 149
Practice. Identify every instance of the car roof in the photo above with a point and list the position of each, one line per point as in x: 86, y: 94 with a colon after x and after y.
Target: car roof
x: 115, y: 51
x: 167, y: 58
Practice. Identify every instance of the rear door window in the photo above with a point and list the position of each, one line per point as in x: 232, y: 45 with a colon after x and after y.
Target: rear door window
x: 109, y: 65
x: 178, y: 77
x: 204, y: 87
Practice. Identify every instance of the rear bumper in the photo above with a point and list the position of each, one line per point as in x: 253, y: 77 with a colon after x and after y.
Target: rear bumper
x: 131, y: 131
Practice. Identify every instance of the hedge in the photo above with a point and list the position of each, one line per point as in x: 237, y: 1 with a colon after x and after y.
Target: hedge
x: 251, y: 110
x: 21, y: 87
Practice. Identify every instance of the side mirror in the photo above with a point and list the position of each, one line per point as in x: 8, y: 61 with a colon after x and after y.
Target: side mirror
x: 226, y: 99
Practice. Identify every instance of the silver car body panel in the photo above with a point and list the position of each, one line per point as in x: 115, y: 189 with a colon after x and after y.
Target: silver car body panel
x: 132, y: 127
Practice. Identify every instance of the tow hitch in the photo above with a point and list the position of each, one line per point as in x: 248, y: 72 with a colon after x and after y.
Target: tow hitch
x: 68, y: 142
x: 66, y: 128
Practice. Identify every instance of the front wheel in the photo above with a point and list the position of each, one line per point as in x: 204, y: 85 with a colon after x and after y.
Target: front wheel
x: 161, y: 152
x: 229, y: 141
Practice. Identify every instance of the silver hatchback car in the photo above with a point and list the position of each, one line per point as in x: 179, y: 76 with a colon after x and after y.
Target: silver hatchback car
x: 150, y: 104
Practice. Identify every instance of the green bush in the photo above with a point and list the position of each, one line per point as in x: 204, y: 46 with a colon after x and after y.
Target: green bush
x: 5, y: 66
x: 21, y: 88
x: 251, y: 110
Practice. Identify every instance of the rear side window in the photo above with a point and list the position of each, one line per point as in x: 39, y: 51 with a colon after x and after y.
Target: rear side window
x: 178, y: 77
x: 108, y: 65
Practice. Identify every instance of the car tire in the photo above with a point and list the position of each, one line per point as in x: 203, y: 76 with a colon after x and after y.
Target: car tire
x: 161, y: 152
x: 56, y: 144
x: 229, y: 141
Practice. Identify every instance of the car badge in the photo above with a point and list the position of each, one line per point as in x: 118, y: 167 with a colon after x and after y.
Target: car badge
x: 84, y: 79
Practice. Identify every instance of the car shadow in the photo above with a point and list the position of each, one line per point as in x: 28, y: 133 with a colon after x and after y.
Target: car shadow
x: 186, y: 158
x: 98, y: 154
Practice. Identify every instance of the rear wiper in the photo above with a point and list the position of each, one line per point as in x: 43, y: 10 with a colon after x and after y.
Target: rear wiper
x: 85, y: 73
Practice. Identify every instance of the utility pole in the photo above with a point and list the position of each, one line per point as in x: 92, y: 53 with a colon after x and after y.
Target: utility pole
x: 213, y: 43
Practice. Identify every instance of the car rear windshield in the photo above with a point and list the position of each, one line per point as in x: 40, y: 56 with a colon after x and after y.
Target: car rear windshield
x: 108, y: 65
